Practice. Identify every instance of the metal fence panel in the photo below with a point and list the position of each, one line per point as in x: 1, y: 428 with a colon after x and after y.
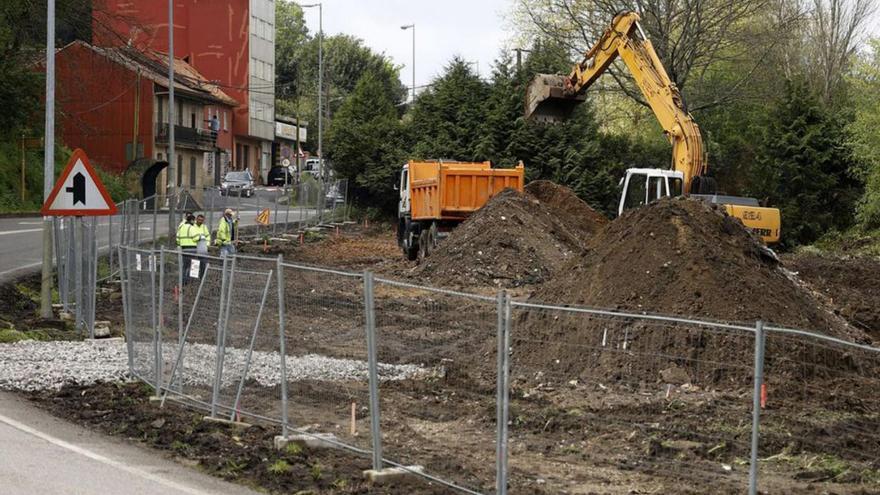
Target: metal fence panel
x: 820, y: 421
x: 437, y: 354
x: 599, y: 398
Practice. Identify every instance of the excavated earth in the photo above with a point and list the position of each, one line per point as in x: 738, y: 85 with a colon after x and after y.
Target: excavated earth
x: 516, y: 239
x: 849, y: 284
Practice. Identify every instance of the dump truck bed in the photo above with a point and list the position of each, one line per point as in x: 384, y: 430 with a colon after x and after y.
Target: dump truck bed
x: 442, y: 190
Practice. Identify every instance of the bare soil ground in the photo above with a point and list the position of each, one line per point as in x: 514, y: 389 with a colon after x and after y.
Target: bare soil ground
x: 581, y: 422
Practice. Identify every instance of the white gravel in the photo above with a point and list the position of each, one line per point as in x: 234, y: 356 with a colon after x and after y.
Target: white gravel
x: 31, y: 365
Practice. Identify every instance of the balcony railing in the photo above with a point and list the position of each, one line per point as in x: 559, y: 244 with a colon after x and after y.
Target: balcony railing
x: 187, y: 137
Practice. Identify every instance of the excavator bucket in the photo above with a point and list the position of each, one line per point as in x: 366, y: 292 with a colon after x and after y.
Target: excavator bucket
x: 546, y: 100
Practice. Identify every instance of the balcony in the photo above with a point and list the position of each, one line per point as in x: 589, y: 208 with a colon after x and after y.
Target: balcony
x: 187, y: 137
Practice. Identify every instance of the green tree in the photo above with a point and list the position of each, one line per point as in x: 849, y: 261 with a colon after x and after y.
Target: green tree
x: 447, y: 119
x: 365, y: 142
x: 865, y: 132
x: 804, y: 167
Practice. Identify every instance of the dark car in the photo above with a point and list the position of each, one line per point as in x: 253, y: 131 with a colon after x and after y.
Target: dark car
x: 237, y: 183
x: 279, y: 176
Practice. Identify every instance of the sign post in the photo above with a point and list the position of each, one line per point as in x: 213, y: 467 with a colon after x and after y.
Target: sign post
x: 79, y: 192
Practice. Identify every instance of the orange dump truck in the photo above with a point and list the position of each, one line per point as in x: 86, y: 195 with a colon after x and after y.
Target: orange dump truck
x: 435, y: 196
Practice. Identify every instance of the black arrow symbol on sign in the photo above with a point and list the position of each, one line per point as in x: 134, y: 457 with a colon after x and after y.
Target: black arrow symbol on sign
x: 78, y: 189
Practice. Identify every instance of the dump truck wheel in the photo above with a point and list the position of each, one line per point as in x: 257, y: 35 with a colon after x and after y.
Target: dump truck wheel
x: 423, y: 245
x: 432, y: 236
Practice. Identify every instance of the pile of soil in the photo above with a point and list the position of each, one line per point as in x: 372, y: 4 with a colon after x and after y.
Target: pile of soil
x: 581, y: 218
x: 677, y: 257
x: 849, y: 284
x: 516, y: 239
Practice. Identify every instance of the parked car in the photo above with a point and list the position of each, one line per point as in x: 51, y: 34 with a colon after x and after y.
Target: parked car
x: 334, y: 196
x: 238, y: 183
x: 279, y: 176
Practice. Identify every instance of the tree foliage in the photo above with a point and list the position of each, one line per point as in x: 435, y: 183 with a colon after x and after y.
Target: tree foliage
x: 804, y: 166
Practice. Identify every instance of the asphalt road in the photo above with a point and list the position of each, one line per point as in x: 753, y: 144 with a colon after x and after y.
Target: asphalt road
x: 45, y: 455
x: 21, y: 239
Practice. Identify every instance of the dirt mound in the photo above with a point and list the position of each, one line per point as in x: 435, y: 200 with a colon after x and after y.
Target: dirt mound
x: 571, y: 210
x: 849, y: 285
x: 680, y: 257
x: 511, y: 241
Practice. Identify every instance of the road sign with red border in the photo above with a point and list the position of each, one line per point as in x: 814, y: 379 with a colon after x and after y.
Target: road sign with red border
x: 79, y: 191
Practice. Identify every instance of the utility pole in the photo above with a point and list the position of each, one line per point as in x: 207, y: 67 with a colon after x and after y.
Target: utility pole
x: 48, y: 162
x: 172, y: 162
x: 413, y: 27
x: 519, y: 52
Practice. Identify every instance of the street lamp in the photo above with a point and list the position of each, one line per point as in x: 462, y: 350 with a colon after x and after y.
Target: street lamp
x: 320, y: 86
x: 413, y: 27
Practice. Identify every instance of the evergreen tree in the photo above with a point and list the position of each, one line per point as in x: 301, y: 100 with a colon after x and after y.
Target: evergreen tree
x: 804, y: 167
x: 447, y: 120
x: 365, y: 141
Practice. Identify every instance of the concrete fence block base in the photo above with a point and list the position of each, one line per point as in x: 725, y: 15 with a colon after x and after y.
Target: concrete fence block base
x: 316, y: 440
x: 237, y: 424
x: 390, y: 475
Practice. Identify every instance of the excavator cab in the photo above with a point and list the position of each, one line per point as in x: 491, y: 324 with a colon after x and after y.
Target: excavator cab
x: 644, y: 185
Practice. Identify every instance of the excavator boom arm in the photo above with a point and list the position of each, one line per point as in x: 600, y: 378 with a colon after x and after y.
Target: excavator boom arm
x: 550, y: 98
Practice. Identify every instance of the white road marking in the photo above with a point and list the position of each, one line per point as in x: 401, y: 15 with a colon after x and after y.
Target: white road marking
x: 100, y: 458
x: 30, y: 223
x: 23, y: 231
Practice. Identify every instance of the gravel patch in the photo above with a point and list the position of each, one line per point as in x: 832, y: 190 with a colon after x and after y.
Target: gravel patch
x: 32, y: 366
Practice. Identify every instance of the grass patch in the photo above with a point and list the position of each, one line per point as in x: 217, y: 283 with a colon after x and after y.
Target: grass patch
x: 279, y: 467
x: 11, y: 335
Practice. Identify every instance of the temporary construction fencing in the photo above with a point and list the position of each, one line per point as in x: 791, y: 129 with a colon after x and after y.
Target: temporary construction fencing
x: 490, y: 394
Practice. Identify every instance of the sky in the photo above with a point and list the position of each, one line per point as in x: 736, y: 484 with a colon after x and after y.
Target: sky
x: 475, y: 30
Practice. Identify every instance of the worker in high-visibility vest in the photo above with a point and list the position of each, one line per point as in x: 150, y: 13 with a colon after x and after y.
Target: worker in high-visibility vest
x: 187, y: 240
x: 201, y: 233
x: 227, y: 233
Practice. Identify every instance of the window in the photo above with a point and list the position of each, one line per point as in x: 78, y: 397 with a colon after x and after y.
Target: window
x: 192, y: 171
x: 192, y: 119
x: 159, y: 157
x: 245, y: 162
x: 238, y: 158
x: 161, y: 110
x: 635, y: 191
x: 179, y: 170
x: 178, y: 107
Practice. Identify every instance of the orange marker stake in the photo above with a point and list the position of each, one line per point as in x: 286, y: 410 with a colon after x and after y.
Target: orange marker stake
x: 763, y: 395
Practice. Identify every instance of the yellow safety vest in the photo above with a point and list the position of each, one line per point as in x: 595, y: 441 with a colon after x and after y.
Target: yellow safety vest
x: 224, y: 232
x: 185, y: 237
x: 201, y: 230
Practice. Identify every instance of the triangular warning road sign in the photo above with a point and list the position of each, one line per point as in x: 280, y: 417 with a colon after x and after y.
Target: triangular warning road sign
x: 79, y: 191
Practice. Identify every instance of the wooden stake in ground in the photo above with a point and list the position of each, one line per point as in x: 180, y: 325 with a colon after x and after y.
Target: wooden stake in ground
x: 353, y: 419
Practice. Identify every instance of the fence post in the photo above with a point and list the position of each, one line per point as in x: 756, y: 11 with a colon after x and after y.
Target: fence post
x: 110, y: 246
x: 275, y: 215
x: 279, y: 270
x: 126, y: 305
x: 211, y: 211
x: 180, y: 276
x: 756, y: 405
x: 78, y: 283
x: 370, y: 313
x: 220, y: 313
x: 155, y: 219
x: 287, y: 212
x: 70, y: 263
x: 221, y: 337
x: 160, y: 319
x: 502, y: 394
x: 93, y: 273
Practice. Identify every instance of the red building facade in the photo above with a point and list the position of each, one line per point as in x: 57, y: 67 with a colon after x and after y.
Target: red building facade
x: 230, y: 42
x: 113, y: 103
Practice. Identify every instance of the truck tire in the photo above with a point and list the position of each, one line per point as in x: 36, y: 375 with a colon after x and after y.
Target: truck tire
x: 424, y: 245
x: 411, y: 242
x: 432, y: 236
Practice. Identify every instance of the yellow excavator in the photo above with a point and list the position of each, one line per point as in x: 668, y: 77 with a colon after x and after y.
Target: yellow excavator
x: 552, y: 98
